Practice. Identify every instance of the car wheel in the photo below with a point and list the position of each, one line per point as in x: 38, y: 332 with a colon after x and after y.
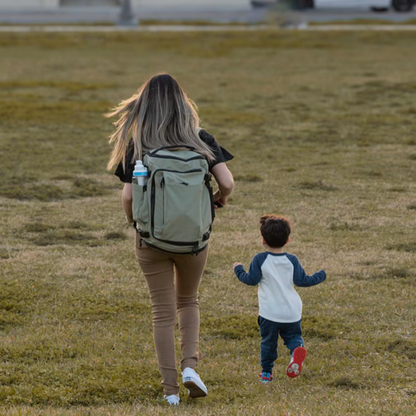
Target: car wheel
x: 403, y: 5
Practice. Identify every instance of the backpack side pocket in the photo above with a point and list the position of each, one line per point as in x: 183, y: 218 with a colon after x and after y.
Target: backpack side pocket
x: 140, y: 206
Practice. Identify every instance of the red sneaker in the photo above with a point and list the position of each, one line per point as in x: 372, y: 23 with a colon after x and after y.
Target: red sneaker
x: 295, y: 366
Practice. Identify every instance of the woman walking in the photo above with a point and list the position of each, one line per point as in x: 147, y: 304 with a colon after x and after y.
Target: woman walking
x: 159, y: 115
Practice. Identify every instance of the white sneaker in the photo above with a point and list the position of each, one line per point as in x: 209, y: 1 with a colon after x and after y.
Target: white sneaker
x: 193, y: 383
x: 173, y: 399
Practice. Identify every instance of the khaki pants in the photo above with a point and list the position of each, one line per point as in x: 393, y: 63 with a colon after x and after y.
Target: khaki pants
x: 173, y: 281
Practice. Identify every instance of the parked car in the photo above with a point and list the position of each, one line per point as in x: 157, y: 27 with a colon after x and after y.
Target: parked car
x: 376, y: 5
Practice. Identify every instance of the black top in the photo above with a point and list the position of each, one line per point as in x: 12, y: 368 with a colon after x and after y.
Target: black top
x: 220, y: 155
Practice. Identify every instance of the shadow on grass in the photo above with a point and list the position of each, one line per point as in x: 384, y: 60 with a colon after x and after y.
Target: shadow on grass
x: 248, y: 178
x: 316, y: 186
x: 407, y: 247
x: 403, y: 347
x: 67, y: 237
x: 400, y: 347
x: 70, y: 233
x: 400, y: 274
x: 7, y: 253
x: 15, y: 303
x: 345, y: 383
x: 373, y: 90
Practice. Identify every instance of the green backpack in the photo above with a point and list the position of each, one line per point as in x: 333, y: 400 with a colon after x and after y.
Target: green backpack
x: 174, y: 210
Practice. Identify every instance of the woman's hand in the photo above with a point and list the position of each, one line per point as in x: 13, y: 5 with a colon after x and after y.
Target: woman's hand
x: 237, y: 264
x: 221, y: 199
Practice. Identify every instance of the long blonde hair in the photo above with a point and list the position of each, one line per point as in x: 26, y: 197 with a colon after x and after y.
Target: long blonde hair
x: 160, y: 114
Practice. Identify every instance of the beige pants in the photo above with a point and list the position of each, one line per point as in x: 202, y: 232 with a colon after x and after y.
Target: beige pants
x: 173, y: 281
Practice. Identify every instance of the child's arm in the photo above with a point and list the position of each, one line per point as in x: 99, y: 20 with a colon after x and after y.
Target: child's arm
x: 252, y: 278
x: 301, y: 279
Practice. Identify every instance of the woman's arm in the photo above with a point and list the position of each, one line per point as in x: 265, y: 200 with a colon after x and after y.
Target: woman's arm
x: 225, y: 182
x: 127, y: 201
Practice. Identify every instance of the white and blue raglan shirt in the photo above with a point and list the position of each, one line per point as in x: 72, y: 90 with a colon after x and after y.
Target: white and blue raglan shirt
x: 276, y: 273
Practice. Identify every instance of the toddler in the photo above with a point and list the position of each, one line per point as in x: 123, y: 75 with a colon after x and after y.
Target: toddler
x: 280, y: 307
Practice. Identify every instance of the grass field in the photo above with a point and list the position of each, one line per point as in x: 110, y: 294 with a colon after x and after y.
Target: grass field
x: 322, y: 126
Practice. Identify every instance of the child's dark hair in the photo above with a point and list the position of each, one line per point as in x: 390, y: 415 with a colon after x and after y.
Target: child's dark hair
x: 275, y: 230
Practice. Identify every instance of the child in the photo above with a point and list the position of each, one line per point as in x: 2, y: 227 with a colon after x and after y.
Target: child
x: 280, y: 307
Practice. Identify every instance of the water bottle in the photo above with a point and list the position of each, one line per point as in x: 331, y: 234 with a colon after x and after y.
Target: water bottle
x: 140, y: 173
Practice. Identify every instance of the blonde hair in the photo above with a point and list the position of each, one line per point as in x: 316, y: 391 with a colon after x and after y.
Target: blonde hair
x: 159, y: 115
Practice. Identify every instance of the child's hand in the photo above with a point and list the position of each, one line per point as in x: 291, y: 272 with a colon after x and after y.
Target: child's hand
x: 237, y: 264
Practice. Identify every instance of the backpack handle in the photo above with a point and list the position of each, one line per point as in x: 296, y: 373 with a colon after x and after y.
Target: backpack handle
x: 171, y: 147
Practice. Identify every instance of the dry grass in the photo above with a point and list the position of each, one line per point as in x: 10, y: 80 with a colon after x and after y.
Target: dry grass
x: 322, y: 129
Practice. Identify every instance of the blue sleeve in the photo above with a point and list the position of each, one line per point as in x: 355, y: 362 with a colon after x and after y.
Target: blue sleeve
x: 253, y: 277
x: 301, y: 279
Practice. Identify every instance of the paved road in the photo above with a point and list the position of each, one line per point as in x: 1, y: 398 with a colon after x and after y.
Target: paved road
x: 246, y: 15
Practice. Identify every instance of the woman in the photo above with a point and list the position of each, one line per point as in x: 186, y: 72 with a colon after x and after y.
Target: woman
x: 161, y: 114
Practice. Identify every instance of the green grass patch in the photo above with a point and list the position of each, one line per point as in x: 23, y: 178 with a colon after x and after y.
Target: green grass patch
x: 324, y: 328
x: 65, y: 237
x: 16, y: 298
x: 77, y: 188
x: 248, y: 178
x: 401, y: 348
x: 318, y: 186
x: 47, y: 112
x: 115, y: 236
x: 65, y: 85
x: 231, y: 327
x: 409, y: 247
x: 398, y: 274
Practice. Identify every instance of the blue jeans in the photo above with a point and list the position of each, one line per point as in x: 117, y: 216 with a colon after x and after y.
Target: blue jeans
x: 269, y: 331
